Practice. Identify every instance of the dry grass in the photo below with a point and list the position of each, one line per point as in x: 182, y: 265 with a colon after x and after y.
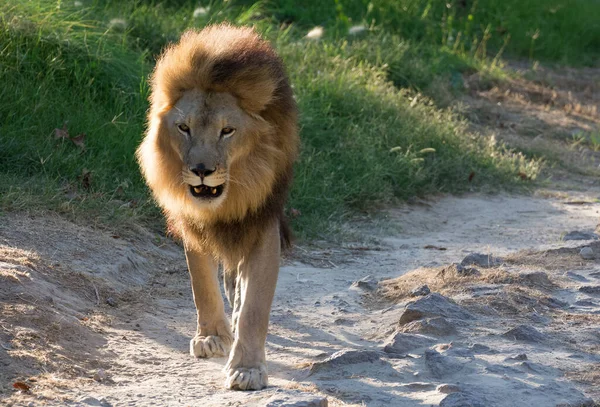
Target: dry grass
x: 553, y: 260
x: 552, y: 113
x: 444, y: 280
x: 588, y: 375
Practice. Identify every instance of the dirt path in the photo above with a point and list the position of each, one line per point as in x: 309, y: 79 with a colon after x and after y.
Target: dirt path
x: 57, y: 328
x: 90, y: 318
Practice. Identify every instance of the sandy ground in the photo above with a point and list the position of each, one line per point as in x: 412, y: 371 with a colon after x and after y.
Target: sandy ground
x: 61, y: 337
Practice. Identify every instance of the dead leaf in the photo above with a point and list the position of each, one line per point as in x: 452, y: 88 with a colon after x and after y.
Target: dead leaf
x: 432, y: 247
x: 523, y: 176
x: 79, y: 140
x: 295, y: 212
x: 21, y: 386
x: 471, y: 176
x: 61, y: 133
x: 86, y: 178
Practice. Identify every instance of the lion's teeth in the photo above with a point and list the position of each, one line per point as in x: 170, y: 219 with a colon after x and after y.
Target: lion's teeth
x: 214, y: 191
x: 197, y: 190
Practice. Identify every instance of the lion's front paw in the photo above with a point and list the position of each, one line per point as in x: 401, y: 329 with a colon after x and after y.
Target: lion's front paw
x: 242, y: 378
x: 209, y: 346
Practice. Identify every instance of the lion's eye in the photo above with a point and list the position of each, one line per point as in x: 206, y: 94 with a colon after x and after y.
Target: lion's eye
x: 184, y: 128
x: 227, y: 131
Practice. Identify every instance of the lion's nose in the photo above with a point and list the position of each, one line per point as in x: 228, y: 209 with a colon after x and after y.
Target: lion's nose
x: 201, y: 170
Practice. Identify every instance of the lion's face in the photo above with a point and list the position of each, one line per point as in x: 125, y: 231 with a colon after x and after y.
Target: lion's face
x: 207, y: 132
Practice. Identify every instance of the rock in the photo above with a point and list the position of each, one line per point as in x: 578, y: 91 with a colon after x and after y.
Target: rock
x: 441, y: 366
x: 540, y: 319
x: 420, y: 291
x: 368, y: 283
x: 448, y: 388
x: 481, y: 260
x: 587, y: 253
x: 580, y: 235
x: 574, y: 276
x: 419, y: 386
x: 343, y: 322
x: 111, y: 301
x: 346, y: 357
x: 520, y: 356
x: 538, y: 278
x: 432, y: 326
x: 555, y: 303
x: 502, y: 370
x: 433, y: 305
x: 590, y: 289
x: 296, y: 399
x: 92, y: 401
x: 100, y: 375
x: 460, y: 352
x: 479, y: 348
x: 584, y: 303
x: 464, y: 399
x: 458, y: 270
x: 525, y: 333
x: 401, y: 343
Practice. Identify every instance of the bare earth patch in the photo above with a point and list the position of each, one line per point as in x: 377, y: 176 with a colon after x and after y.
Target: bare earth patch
x: 551, y: 112
x: 72, y: 346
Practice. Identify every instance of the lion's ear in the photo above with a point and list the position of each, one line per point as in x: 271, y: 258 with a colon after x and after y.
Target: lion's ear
x: 254, y: 97
x: 251, y: 75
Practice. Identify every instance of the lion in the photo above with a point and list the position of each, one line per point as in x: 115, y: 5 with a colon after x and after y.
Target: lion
x: 218, y: 157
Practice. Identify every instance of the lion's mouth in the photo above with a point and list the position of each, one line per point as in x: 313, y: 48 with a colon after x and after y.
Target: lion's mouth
x: 204, y: 191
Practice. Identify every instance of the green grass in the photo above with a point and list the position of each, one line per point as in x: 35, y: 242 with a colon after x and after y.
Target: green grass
x: 372, y: 127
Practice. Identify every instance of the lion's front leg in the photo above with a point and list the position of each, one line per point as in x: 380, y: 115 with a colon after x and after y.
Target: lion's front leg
x: 247, y: 368
x: 213, y: 335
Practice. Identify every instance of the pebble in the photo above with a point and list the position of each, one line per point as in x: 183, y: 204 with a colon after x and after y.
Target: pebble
x: 537, y: 278
x: 520, y: 356
x: 580, y: 235
x: 464, y: 399
x: 479, y: 348
x: 590, y: 289
x: 574, y: 276
x: 346, y: 357
x: 448, y: 388
x: 401, y: 343
x: 420, y: 386
x: 100, y: 375
x: 433, y: 305
x: 111, y: 301
x: 481, y: 260
x: 440, y: 365
x: 92, y: 401
x: 438, y: 326
x: 525, y: 333
x: 296, y: 399
x: 459, y: 270
x: 368, y: 283
x: 586, y: 253
x: 420, y: 291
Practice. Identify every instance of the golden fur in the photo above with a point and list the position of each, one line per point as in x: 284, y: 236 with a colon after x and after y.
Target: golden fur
x: 212, y: 65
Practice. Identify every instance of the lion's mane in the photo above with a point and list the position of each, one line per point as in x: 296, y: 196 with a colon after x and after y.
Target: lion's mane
x: 224, y: 58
